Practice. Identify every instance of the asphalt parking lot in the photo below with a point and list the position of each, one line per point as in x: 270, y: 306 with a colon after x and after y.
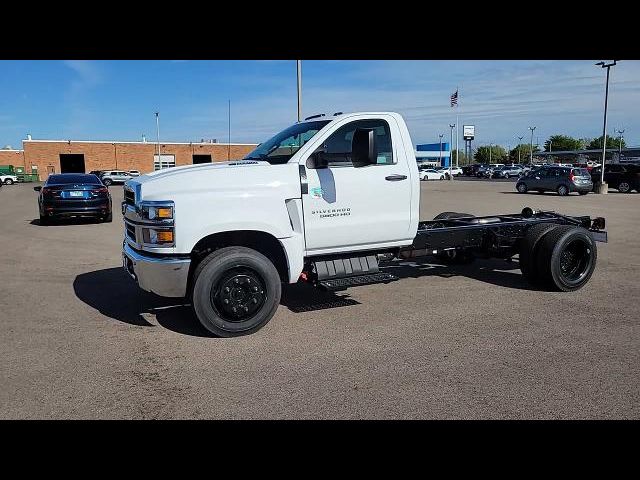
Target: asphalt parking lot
x: 79, y: 340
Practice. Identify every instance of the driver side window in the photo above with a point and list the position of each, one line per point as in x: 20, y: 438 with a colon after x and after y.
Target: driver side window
x: 337, y: 147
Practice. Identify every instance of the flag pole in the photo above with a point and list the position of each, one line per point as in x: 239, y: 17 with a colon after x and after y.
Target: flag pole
x: 457, y: 125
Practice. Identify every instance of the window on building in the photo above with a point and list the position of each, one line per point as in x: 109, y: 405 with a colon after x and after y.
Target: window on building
x: 165, y: 161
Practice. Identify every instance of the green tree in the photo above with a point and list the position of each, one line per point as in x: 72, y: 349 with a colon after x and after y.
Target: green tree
x: 612, y: 142
x: 584, y: 142
x: 498, y: 154
x: 524, y: 153
x: 562, y: 142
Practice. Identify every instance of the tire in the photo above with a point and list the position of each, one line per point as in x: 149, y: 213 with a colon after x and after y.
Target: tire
x: 529, y: 248
x: 108, y: 218
x: 562, y: 190
x: 521, y: 187
x: 441, y: 177
x: 240, y: 271
x: 8, y: 181
x: 624, y: 187
x: 107, y: 182
x: 44, y: 220
x: 566, y: 258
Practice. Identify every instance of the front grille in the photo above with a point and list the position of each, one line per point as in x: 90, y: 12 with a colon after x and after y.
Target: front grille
x: 129, y: 197
x: 131, y: 232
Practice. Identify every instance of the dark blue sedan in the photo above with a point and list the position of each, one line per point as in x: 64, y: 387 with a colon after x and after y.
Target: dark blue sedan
x: 73, y: 195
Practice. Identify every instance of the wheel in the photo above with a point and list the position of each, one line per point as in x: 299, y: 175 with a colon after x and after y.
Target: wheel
x: 562, y: 190
x: 108, y: 218
x: 521, y: 187
x: 44, y: 220
x: 236, y: 291
x: 566, y: 258
x: 583, y: 193
x: 8, y: 181
x: 624, y: 187
x: 441, y: 177
x: 529, y: 248
x: 107, y: 181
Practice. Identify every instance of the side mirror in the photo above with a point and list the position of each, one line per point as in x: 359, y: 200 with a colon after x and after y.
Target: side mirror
x: 364, y: 150
x: 317, y: 160
x: 37, y: 189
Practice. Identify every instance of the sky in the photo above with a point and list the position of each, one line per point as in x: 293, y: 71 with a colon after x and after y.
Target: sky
x: 116, y: 100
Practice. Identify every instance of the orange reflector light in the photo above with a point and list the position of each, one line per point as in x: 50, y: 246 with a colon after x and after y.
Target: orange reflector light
x: 165, y: 236
x: 163, y: 213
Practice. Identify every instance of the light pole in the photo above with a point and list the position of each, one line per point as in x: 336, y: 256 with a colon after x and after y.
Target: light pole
x: 603, y: 187
x: 519, y: 143
x: 452, y: 126
x: 229, y: 133
x: 441, y: 135
x: 620, y: 132
x: 158, y: 138
x: 299, y: 75
x: 531, y: 146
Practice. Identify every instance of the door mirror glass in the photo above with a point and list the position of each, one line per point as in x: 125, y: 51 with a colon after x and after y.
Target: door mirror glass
x: 364, y: 150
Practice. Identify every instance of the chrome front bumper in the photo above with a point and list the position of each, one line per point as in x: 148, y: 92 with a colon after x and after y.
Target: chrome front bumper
x: 164, y: 276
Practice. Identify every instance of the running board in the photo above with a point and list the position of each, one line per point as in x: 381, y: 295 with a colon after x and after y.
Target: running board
x: 369, y: 279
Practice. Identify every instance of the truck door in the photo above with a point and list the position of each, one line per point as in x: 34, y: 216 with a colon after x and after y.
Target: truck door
x: 350, y: 208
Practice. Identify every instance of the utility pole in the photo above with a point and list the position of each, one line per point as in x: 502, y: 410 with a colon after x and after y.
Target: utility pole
x: 229, y: 133
x: 620, y: 132
x: 158, y: 139
x: 531, y: 145
x: 299, y: 75
x: 440, y: 157
x: 519, y: 144
x: 603, y: 188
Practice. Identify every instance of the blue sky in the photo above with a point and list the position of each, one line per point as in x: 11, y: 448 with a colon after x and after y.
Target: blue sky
x: 115, y: 100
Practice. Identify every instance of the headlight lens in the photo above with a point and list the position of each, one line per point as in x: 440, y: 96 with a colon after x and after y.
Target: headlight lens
x: 157, y: 212
x: 158, y: 236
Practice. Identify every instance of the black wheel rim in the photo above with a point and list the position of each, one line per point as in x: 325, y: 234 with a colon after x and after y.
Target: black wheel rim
x: 575, y: 261
x: 562, y: 190
x: 623, y: 187
x: 522, y: 188
x: 238, y: 294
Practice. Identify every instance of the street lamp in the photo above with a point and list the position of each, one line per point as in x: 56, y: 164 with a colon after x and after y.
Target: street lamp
x: 531, y: 145
x: 603, y: 187
x: 158, y: 138
x: 620, y: 132
x: 452, y: 126
x: 299, y: 75
x: 519, y: 143
x: 441, y: 135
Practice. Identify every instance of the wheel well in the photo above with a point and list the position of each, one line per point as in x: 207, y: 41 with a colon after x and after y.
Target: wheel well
x: 262, y: 242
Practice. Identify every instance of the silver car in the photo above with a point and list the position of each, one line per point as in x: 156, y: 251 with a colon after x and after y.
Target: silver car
x: 115, y: 176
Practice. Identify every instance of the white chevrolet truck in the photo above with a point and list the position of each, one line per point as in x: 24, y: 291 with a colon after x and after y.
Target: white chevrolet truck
x: 325, y: 201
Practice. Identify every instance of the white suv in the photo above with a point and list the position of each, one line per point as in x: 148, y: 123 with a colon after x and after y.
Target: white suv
x: 8, y: 179
x: 115, y: 176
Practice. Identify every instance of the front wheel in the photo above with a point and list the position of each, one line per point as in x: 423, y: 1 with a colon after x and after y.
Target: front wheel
x: 624, y: 187
x: 8, y: 181
x: 107, y: 182
x: 521, y: 187
x: 236, y: 291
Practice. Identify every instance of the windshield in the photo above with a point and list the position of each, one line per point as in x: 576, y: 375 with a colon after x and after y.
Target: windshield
x: 280, y: 148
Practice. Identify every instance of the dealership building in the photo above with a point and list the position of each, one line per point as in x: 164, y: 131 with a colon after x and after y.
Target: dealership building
x: 43, y: 157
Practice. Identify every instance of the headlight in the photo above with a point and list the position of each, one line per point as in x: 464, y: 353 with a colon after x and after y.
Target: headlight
x: 158, y: 236
x: 157, y: 211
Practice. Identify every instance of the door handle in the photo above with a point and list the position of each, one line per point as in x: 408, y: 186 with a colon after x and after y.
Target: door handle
x: 395, y: 178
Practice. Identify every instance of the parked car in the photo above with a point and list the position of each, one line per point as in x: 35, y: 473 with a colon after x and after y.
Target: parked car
x: 72, y: 195
x: 8, y: 179
x: 134, y: 173
x: 482, y: 171
x: 430, y: 174
x: 623, y: 178
x: 110, y: 177
x: 455, y: 171
x: 563, y: 180
x: 508, y: 172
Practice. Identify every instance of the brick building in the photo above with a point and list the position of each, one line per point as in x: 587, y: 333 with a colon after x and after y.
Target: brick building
x: 66, y: 156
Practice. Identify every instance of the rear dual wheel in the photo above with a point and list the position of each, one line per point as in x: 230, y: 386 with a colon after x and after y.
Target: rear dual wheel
x: 558, y: 257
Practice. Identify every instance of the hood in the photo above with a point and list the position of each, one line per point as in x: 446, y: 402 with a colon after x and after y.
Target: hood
x: 242, y: 177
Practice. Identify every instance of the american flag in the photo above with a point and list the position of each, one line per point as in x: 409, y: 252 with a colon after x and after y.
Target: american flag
x: 454, y: 99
